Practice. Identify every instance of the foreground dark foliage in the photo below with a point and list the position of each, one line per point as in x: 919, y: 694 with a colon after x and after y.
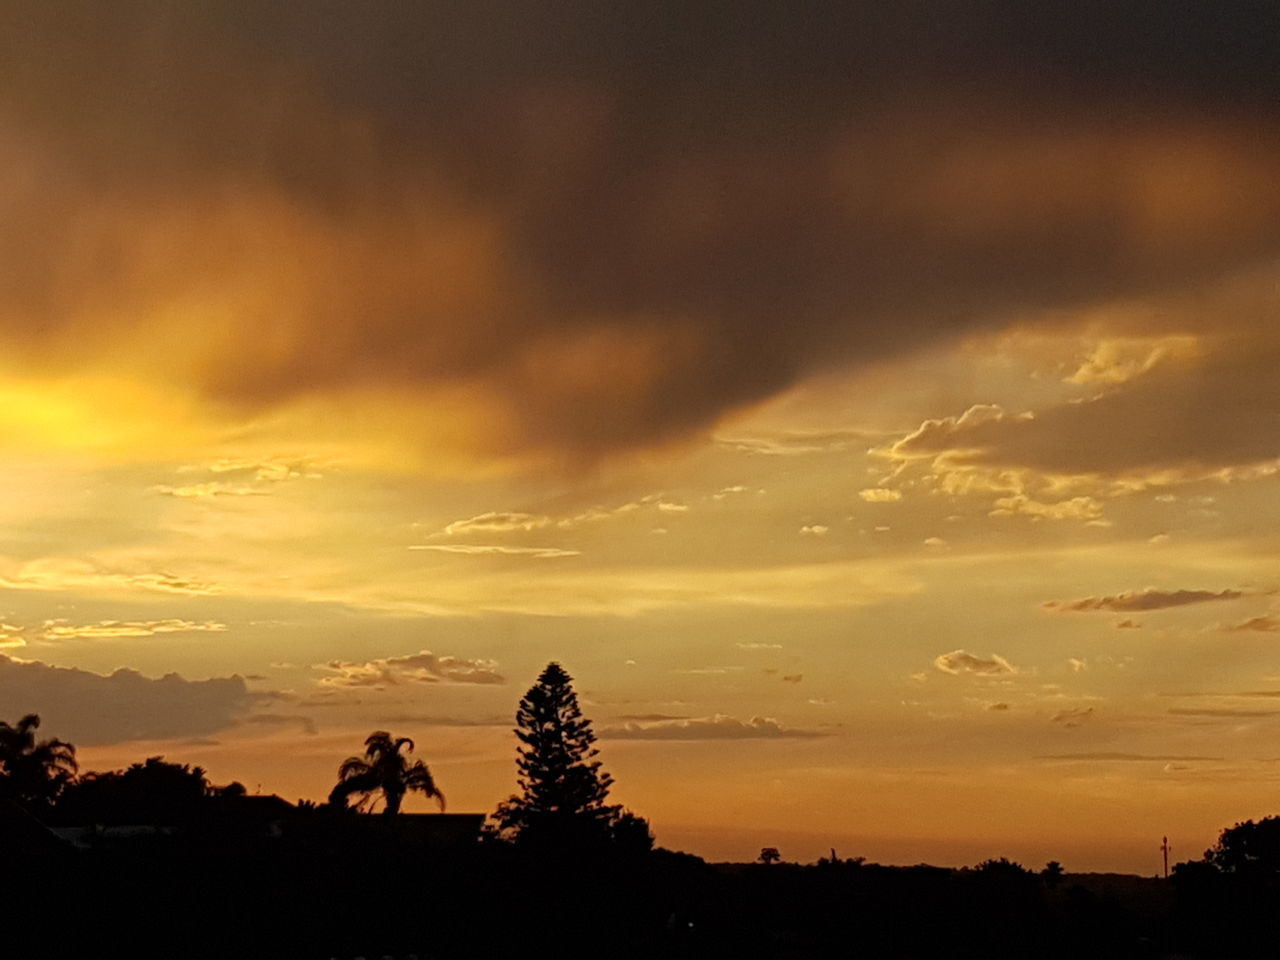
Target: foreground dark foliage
x: 342, y: 885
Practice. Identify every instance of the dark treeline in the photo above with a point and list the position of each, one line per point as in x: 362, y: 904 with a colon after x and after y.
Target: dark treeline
x: 164, y: 864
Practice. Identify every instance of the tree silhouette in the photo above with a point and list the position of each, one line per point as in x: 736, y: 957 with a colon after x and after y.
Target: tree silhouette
x: 154, y: 791
x: 33, y: 772
x: 1249, y: 848
x: 563, y: 790
x: 385, y: 771
x: 769, y: 855
x: 1052, y: 874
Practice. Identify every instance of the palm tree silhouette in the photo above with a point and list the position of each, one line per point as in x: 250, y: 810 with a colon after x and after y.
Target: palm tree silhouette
x: 383, y: 770
x: 33, y: 772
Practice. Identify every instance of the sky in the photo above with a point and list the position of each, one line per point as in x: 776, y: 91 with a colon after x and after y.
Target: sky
x: 873, y: 407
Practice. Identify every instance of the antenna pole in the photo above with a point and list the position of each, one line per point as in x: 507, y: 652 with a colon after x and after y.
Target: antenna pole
x: 1164, y: 848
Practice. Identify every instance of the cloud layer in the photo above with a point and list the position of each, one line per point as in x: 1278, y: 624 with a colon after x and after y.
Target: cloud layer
x: 421, y: 667
x: 89, y: 708
x: 604, y: 231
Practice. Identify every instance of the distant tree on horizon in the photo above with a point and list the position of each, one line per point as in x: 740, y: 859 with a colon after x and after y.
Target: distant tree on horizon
x: 384, y: 771
x: 563, y: 799
x: 1001, y: 867
x: 33, y: 772
x: 1052, y: 874
x: 769, y: 855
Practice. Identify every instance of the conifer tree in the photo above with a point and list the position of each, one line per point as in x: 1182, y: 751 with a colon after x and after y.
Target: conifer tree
x: 564, y: 793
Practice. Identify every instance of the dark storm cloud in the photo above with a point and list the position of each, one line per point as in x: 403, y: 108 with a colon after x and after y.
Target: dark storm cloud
x: 89, y: 709
x: 620, y: 220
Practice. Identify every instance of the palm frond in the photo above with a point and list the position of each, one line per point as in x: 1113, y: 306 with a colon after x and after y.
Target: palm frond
x: 353, y: 767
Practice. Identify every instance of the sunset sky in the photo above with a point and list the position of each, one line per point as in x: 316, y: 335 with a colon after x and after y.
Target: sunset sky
x: 874, y: 407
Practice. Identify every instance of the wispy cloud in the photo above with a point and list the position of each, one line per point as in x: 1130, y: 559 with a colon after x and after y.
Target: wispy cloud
x: 208, y: 491
x: 492, y: 549
x: 1106, y: 757
x: 61, y: 573
x: 716, y: 727
x: 435, y: 720
x: 1149, y: 599
x: 107, y: 629
x: 794, y: 444
x: 1072, y: 718
x: 1268, y: 623
x: 496, y: 521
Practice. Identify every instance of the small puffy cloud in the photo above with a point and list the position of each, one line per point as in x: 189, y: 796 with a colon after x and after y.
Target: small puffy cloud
x: 1072, y: 718
x: 998, y: 707
x: 724, y: 493
x: 421, y: 667
x: 793, y: 678
x: 494, y: 549
x: 1149, y: 599
x: 1127, y: 624
x: 814, y: 530
x: 1077, y: 664
x: 880, y: 495
x: 109, y: 629
x: 717, y: 727
x: 935, y: 543
x: 92, y: 709
x: 960, y: 661
x: 758, y: 646
x: 669, y: 506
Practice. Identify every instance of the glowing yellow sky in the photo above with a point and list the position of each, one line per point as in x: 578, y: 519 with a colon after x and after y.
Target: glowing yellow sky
x: 897, y: 474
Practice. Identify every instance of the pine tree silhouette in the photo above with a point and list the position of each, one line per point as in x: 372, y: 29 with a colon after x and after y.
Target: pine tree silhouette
x: 563, y: 790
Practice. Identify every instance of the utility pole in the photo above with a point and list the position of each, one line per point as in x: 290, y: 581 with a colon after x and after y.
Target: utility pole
x: 1164, y: 848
